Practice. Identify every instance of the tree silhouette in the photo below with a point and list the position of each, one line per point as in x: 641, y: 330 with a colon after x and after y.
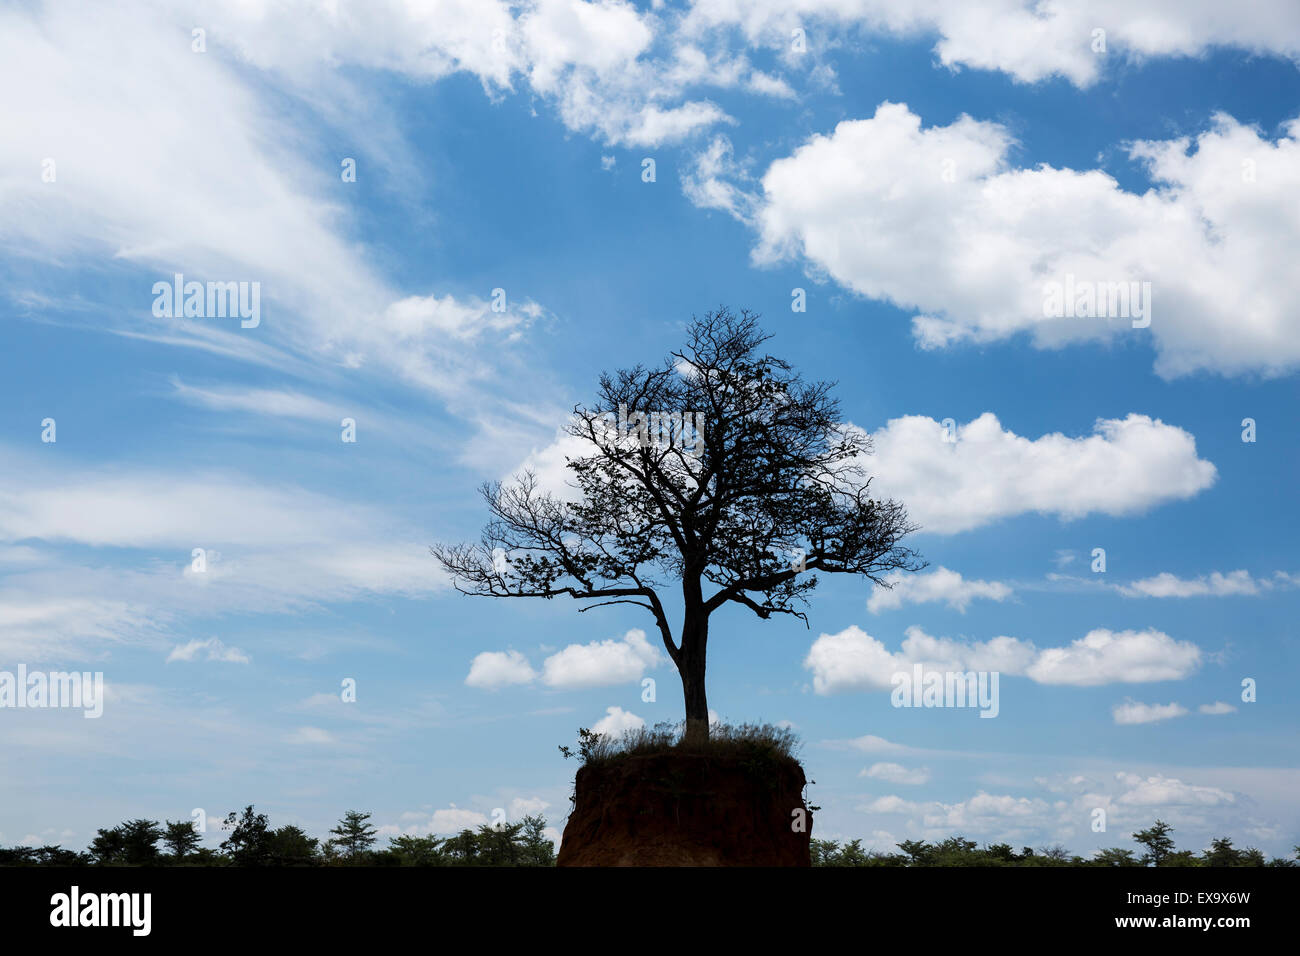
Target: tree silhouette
x: 181, y: 838
x: 1159, y: 844
x: 133, y: 843
x: 291, y: 846
x: 249, y: 843
x: 355, y: 835
x: 772, y: 492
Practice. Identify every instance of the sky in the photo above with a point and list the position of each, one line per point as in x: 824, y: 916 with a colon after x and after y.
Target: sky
x: 455, y: 214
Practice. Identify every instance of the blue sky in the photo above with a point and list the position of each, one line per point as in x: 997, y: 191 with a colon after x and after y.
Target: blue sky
x: 919, y: 175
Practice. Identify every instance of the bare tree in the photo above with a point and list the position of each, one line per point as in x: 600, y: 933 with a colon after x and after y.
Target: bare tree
x: 772, y: 492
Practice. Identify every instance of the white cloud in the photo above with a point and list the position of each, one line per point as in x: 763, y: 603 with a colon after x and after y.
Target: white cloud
x: 984, y: 810
x: 989, y: 473
x: 890, y: 804
x: 1132, y: 712
x: 1030, y: 41
x: 453, y: 820
x: 897, y: 773
x: 212, y: 649
x: 616, y: 721
x: 1165, y: 585
x: 1125, y: 467
x: 1103, y: 656
x: 869, y: 744
x: 60, y: 624
x: 853, y: 660
x: 265, y: 549
x: 869, y: 207
x: 596, y: 664
x: 601, y: 663
x: 492, y: 669
x: 260, y: 401
x: 710, y: 180
x: 940, y: 584
x: 592, y: 61
x: 239, y: 194
x: 1218, y: 708
x: 527, y: 806
x: 1158, y: 790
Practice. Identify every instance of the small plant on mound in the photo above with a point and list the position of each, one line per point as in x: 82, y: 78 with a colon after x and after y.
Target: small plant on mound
x: 748, y: 742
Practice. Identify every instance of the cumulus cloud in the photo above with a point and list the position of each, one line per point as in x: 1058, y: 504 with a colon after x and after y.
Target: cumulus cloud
x: 1132, y: 712
x: 853, y: 660
x: 1218, y: 708
x: 940, y: 584
x: 492, y: 669
x: 890, y: 804
x: 938, y: 222
x: 607, y: 68
x: 1158, y: 790
x: 1125, y: 467
x: 600, y: 663
x: 1103, y: 656
x: 979, y: 813
x: 1131, y: 800
x: 1030, y: 41
x: 616, y: 721
x: 596, y: 664
x: 1216, y: 584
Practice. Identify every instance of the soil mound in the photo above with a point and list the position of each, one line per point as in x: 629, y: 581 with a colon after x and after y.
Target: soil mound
x: 689, y: 809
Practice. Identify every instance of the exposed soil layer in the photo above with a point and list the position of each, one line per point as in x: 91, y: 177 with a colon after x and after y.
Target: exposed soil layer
x: 689, y: 809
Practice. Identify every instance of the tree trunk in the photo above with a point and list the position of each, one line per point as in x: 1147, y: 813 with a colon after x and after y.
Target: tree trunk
x: 691, y: 667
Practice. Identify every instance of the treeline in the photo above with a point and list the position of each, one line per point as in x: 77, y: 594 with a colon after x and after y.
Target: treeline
x: 252, y: 842
x: 1156, y: 848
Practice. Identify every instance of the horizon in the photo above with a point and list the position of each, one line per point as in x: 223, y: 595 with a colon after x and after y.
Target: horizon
x: 441, y: 230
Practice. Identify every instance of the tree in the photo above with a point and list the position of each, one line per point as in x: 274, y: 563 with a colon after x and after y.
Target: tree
x: 918, y: 852
x: 1115, y: 856
x: 1222, y: 853
x: 181, y: 838
x: 355, y: 835
x: 417, y: 850
x: 498, y: 844
x: 291, y: 846
x: 1159, y: 844
x: 462, y: 848
x: 771, y: 493
x: 249, y: 843
x: 537, y: 848
x: 134, y: 843
x: 107, y: 846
